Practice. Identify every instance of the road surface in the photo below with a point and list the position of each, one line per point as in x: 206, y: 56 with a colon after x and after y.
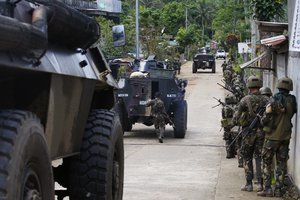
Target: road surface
x: 193, y: 168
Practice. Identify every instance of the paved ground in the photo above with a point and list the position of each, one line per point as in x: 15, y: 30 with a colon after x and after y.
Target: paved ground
x: 194, y: 168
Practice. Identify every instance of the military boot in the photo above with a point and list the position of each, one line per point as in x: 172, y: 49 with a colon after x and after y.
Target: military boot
x: 248, y: 187
x: 267, y: 192
x: 259, y: 184
x: 161, y: 135
x: 229, y: 154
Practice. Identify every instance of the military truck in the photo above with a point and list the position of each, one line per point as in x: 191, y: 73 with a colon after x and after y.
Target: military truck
x: 57, y: 96
x: 203, y: 60
x: 139, y: 87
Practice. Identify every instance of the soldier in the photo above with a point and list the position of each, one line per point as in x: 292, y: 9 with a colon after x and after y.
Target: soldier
x: 227, y: 114
x: 278, y: 127
x: 251, y: 139
x: 224, y: 66
x: 266, y: 91
x: 158, y: 112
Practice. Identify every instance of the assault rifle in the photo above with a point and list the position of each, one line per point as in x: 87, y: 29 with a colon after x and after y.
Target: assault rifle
x: 220, y: 102
x: 166, y: 116
x: 253, y: 124
x: 235, y: 92
x: 226, y: 88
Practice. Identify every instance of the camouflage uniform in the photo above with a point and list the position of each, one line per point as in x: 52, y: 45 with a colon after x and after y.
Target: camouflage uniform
x: 228, y: 136
x: 252, y: 140
x: 158, y: 113
x: 278, y: 127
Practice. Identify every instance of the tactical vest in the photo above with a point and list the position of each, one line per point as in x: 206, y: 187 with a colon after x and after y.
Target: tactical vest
x: 227, y: 114
x: 279, y: 126
x: 253, y: 103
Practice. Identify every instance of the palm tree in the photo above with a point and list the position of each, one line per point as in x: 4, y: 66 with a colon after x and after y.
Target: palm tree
x: 203, y: 13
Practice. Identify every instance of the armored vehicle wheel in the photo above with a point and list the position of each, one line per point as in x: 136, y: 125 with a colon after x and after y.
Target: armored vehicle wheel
x: 98, y: 171
x: 180, y: 119
x: 213, y: 69
x: 26, y: 171
x: 194, y: 68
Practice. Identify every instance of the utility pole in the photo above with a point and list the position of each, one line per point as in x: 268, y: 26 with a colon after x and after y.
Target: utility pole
x: 137, y: 29
x: 186, y: 49
x: 186, y: 19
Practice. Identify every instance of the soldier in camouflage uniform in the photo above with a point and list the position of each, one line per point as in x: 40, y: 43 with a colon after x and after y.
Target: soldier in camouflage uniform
x: 278, y: 129
x: 252, y: 140
x: 158, y: 112
x: 224, y: 66
x: 227, y: 114
x: 266, y: 93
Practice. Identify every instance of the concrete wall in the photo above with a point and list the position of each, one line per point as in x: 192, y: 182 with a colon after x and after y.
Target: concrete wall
x: 293, y: 71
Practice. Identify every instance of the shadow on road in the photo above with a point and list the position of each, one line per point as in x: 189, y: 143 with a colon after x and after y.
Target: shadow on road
x: 146, y: 134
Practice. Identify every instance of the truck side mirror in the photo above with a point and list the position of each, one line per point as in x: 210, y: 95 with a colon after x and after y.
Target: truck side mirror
x: 118, y: 34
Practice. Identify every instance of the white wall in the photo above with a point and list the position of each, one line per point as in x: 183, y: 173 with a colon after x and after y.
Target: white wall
x: 294, y: 161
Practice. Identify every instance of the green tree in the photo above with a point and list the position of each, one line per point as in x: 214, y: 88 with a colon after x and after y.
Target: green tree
x: 230, y: 18
x: 186, y: 37
x: 269, y: 10
x: 150, y: 28
x: 173, y: 17
x: 202, y: 13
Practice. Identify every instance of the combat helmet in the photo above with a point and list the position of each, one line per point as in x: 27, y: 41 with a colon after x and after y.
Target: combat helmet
x: 285, y: 83
x: 230, y: 99
x: 265, y: 91
x: 254, y: 82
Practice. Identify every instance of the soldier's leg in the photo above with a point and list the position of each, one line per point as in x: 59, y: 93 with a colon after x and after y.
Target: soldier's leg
x: 232, y: 144
x: 239, y: 153
x: 281, y: 167
x: 228, y: 141
x: 258, y: 158
x: 267, y: 155
x: 161, y: 129
x: 247, y: 151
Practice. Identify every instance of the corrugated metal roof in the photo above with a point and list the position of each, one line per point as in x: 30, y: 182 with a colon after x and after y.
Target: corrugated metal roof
x: 253, y: 60
x: 272, y: 41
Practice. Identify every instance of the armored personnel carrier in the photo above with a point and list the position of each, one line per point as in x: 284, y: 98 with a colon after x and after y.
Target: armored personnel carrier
x: 139, y: 87
x: 204, y: 60
x: 56, y: 100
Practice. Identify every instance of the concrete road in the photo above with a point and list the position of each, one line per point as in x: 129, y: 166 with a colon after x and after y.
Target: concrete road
x: 193, y: 168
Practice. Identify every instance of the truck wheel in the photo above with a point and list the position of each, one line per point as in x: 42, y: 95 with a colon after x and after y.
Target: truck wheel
x: 180, y: 119
x: 26, y: 171
x: 213, y: 69
x: 194, y: 68
x: 98, y: 171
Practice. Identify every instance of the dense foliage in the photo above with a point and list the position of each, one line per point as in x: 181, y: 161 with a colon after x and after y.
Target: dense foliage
x: 192, y: 23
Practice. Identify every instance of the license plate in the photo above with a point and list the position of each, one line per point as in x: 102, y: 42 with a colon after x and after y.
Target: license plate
x: 143, y: 102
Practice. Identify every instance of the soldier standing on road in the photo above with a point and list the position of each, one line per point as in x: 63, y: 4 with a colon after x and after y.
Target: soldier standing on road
x: 227, y: 114
x: 278, y: 128
x: 266, y: 94
x: 252, y: 140
x: 158, y: 112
